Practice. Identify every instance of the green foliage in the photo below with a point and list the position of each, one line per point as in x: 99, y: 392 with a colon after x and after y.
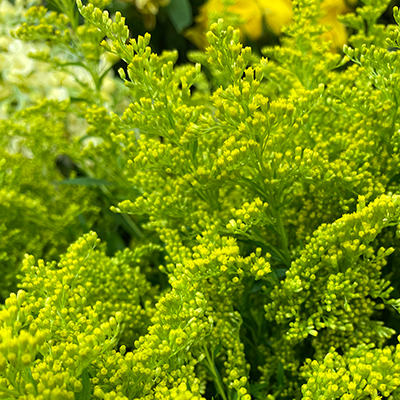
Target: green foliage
x: 38, y: 216
x: 180, y: 13
x: 249, y: 211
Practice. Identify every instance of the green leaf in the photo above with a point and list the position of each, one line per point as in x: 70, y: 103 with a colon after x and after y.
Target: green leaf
x: 83, y: 223
x: 27, y: 373
x: 129, y: 225
x: 256, y: 390
x: 180, y: 14
x: 85, y: 393
x: 114, y: 242
x: 257, y: 286
x: 85, y: 181
x: 257, y: 387
x: 280, y: 272
x: 281, y: 375
x: 394, y: 180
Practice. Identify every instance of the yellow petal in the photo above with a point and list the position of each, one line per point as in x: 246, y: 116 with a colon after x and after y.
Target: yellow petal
x: 334, y: 7
x: 338, y: 33
x: 251, y: 14
x: 331, y: 9
x: 277, y: 13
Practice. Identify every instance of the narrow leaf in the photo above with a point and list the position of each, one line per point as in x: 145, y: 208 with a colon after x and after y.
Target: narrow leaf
x: 180, y: 14
x: 85, y: 393
x: 85, y: 181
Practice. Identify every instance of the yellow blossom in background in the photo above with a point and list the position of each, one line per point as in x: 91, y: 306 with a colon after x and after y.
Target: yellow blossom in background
x: 150, y: 6
x: 273, y: 13
x: 149, y: 10
x: 276, y: 14
x: 330, y: 11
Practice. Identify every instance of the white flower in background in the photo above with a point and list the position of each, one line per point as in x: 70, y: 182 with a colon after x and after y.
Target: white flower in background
x: 19, y: 65
x: 24, y: 80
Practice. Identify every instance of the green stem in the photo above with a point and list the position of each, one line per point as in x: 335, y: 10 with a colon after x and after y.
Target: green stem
x: 9, y: 392
x: 217, y: 378
x: 282, y: 235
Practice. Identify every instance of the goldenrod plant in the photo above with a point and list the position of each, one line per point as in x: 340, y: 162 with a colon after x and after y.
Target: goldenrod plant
x: 223, y: 229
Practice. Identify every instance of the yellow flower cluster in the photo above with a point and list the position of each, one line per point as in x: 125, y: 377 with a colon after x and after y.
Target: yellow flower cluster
x: 67, y: 314
x: 363, y: 372
x: 346, y: 295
